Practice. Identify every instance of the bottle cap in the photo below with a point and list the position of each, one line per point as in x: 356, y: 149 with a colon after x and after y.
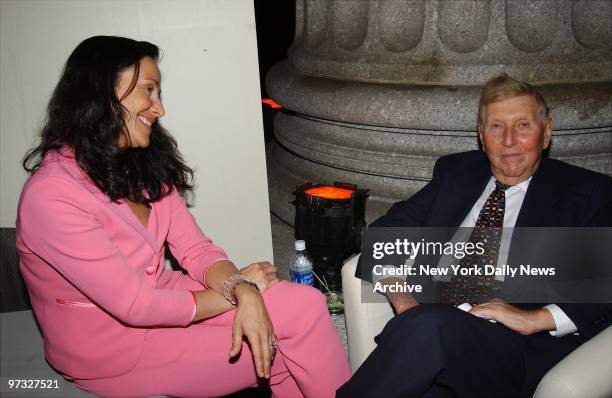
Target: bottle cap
x: 300, y: 245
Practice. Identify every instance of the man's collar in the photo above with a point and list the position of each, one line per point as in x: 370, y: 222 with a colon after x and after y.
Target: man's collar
x: 523, y: 185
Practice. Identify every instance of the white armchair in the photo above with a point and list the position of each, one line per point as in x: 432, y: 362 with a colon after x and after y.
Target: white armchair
x: 585, y: 373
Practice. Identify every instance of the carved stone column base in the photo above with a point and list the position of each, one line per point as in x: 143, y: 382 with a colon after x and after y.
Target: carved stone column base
x: 386, y: 138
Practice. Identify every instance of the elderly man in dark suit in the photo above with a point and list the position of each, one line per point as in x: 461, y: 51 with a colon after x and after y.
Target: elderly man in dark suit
x: 437, y: 350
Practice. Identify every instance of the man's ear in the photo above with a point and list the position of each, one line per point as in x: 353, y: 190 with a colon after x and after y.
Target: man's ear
x: 548, y: 129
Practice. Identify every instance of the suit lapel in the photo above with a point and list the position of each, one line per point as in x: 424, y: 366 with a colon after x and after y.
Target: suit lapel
x: 538, y: 209
x: 124, y: 212
x: 120, y: 208
x: 466, y: 188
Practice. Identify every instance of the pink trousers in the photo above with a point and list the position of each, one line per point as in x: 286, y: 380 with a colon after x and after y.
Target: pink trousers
x: 193, y: 362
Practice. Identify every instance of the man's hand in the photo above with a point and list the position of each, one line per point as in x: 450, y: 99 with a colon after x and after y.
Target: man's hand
x: 400, y: 301
x: 253, y: 322
x: 263, y: 274
x: 525, y: 322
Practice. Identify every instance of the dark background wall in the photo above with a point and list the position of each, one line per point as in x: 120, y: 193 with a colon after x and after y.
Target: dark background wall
x: 275, y: 22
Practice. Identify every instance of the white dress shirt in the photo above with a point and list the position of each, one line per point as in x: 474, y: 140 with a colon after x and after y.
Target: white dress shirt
x: 514, y: 200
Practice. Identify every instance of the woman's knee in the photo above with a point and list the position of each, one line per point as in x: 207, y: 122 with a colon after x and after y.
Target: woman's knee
x: 306, y: 298
x: 297, y: 301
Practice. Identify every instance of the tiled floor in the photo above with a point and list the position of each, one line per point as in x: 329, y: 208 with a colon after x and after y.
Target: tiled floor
x: 283, y: 246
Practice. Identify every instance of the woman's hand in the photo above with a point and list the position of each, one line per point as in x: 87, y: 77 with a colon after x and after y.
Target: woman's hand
x: 251, y: 319
x: 263, y: 274
x: 253, y: 322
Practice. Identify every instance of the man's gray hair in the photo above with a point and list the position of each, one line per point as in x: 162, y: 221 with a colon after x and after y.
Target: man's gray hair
x: 505, y: 87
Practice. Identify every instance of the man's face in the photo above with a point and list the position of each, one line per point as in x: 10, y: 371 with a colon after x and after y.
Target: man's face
x: 514, y: 138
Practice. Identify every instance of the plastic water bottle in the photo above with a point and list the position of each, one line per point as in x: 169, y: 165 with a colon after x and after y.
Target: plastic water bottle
x: 301, y: 265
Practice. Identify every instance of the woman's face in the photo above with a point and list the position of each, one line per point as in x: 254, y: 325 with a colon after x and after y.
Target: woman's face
x: 143, y: 105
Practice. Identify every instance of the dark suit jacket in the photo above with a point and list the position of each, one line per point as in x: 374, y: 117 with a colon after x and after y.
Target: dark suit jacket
x: 559, y: 195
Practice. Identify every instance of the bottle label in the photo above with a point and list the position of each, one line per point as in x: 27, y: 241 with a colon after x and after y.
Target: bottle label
x: 305, y: 278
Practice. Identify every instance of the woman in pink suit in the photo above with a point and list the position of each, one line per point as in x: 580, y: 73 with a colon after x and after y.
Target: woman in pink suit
x: 93, y: 220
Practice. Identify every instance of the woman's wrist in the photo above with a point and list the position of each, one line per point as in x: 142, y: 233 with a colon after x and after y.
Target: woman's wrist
x: 244, y: 290
x: 231, y: 287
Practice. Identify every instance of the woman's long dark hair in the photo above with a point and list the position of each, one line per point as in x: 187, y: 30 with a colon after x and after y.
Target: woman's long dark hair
x: 84, y: 113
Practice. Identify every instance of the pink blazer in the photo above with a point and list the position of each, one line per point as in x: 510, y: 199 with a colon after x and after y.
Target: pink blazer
x: 95, y: 274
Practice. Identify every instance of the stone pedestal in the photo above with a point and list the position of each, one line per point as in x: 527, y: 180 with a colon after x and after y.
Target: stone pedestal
x: 375, y: 91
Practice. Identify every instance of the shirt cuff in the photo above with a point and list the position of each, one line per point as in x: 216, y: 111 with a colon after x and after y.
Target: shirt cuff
x: 195, y: 304
x: 564, y: 324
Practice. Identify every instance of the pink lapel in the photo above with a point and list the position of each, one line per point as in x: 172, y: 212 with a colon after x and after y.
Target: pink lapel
x: 66, y: 157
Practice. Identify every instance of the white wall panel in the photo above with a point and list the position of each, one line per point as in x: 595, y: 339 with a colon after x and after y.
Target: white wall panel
x: 210, y: 88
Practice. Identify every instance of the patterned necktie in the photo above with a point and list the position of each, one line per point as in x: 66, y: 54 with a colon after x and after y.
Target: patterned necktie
x: 475, y: 289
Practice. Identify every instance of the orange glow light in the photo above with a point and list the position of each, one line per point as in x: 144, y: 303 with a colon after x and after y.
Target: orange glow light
x: 270, y: 102
x: 327, y: 192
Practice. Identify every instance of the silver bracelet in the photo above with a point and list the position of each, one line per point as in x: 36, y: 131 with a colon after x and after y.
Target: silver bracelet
x: 229, y: 285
